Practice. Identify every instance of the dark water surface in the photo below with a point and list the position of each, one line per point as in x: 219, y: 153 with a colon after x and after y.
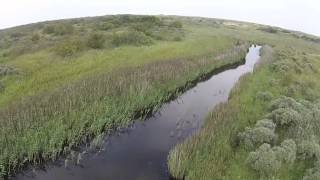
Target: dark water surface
x: 141, y: 151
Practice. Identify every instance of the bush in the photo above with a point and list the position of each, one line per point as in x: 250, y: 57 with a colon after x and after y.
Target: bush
x: 264, y: 96
x: 268, y: 29
x: 130, y: 38
x: 143, y: 27
x: 267, y: 160
x: 253, y: 137
x: 2, y: 87
x: 286, y: 153
x: 96, y: 41
x: 177, y: 38
x: 287, y: 102
x: 281, y: 66
x: 69, y: 47
x: 107, y: 26
x: 176, y: 24
x: 309, y: 150
x: 7, y: 70
x: 49, y: 29
x: 264, y: 161
x: 59, y: 29
x: 266, y: 123
x: 285, y: 116
x: 35, y: 37
x: 313, y: 173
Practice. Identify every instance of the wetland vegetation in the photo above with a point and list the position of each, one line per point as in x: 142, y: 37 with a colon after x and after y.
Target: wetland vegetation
x: 269, y: 127
x: 66, y: 82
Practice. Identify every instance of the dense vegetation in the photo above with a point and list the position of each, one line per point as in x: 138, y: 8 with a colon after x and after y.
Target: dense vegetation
x: 269, y: 129
x: 66, y: 82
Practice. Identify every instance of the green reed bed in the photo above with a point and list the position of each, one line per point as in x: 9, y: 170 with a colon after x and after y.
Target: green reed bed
x: 42, y: 127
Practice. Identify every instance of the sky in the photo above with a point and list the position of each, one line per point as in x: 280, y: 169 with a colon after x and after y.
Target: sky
x: 301, y: 15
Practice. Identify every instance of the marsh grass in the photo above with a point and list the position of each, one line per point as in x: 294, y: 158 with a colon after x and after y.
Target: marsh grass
x: 44, y: 126
x: 60, y: 102
x: 217, y: 152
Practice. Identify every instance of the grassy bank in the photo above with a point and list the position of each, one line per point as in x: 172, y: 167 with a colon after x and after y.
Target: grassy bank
x: 269, y: 128
x: 52, y: 103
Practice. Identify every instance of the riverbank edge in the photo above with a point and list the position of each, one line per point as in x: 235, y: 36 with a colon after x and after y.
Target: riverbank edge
x: 264, y: 58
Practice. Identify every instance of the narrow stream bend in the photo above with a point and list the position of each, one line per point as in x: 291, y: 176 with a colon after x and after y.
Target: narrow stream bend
x: 140, y: 153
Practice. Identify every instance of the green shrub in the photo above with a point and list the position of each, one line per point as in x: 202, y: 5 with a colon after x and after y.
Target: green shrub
x: 7, y: 70
x: 130, y: 38
x: 150, y: 19
x: 267, y: 161
x: 49, y: 29
x: 59, y: 29
x: 313, y: 173
x: 176, y: 24
x: 96, y: 41
x: 285, y: 116
x: 35, y: 37
x: 143, y: 27
x: 2, y: 86
x: 266, y: 123
x: 253, y: 137
x: 264, y: 96
x: 287, y: 102
x: 107, y: 26
x: 177, y: 38
x: 16, y: 35
x: 286, y: 152
x: 268, y: 29
x: 281, y: 66
x: 69, y: 47
x: 309, y: 150
x: 264, y: 161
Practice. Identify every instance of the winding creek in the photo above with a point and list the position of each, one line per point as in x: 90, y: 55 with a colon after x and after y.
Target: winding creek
x: 140, y: 152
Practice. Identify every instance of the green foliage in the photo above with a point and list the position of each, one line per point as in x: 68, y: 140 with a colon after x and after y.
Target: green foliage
x: 309, y: 150
x: 286, y: 152
x: 7, y: 70
x: 107, y: 26
x: 253, y: 137
x: 281, y: 66
x: 286, y: 102
x: 267, y: 160
x: 264, y: 96
x: 2, y: 86
x: 264, y: 161
x: 176, y: 24
x: 211, y: 153
x: 313, y: 173
x: 96, y: 41
x: 269, y: 29
x: 124, y: 81
x: 35, y: 37
x: 59, y: 29
x: 130, y: 38
x: 65, y: 107
x: 266, y: 123
x: 285, y: 116
x: 69, y: 47
x: 16, y: 35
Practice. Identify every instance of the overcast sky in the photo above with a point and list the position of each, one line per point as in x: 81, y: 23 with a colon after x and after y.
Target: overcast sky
x: 302, y: 15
